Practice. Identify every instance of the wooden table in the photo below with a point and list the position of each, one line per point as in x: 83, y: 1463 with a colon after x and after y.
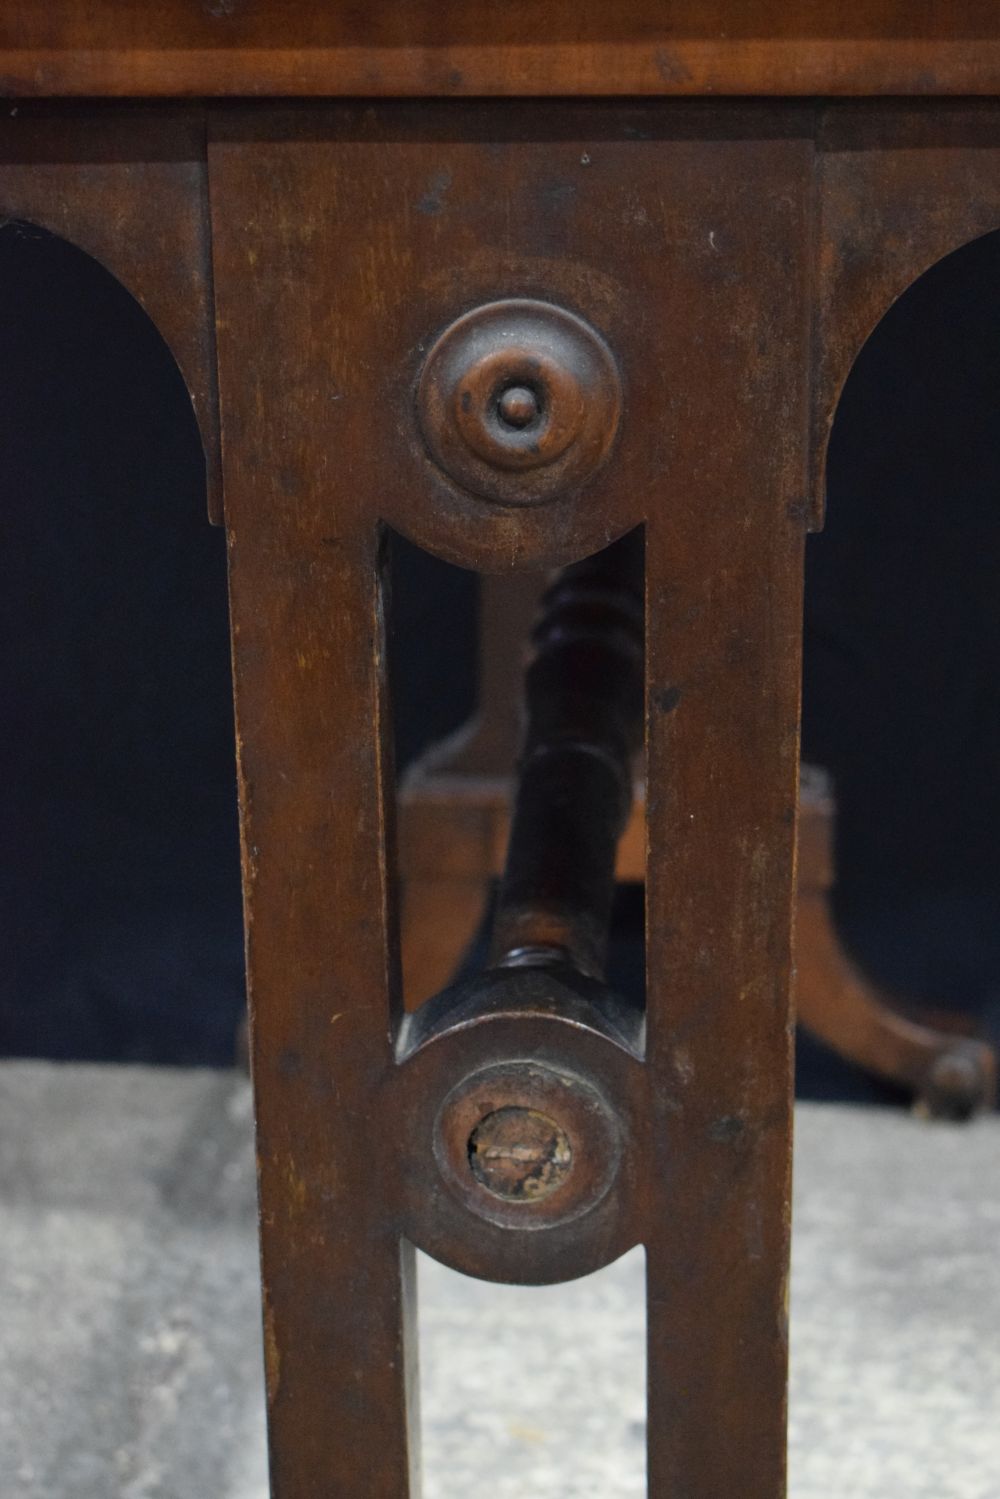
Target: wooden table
x: 409, y: 286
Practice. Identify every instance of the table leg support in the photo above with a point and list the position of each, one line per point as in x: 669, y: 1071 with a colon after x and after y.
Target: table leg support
x: 598, y: 324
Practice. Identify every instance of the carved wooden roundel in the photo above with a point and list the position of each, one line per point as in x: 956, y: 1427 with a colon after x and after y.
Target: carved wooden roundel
x: 519, y: 401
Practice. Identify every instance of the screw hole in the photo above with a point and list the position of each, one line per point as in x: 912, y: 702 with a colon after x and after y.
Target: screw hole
x: 519, y: 1154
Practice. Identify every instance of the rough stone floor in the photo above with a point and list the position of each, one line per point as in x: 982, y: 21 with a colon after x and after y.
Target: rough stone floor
x: 130, y: 1345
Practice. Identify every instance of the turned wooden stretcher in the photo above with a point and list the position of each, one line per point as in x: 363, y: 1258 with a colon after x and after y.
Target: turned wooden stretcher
x: 518, y: 281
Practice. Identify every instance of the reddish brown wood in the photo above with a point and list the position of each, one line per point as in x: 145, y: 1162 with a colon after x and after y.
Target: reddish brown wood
x: 454, y: 827
x: 489, y: 743
x: 441, y: 917
x: 583, y: 696
x: 455, y: 800
x: 473, y: 47
x: 337, y: 1280
x: 353, y: 286
x: 519, y: 400
x: 453, y: 834
x: 695, y: 239
x: 723, y: 679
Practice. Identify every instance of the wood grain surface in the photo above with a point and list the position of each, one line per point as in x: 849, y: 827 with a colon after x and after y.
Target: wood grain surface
x: 344, y: 241
x: 476, y: 47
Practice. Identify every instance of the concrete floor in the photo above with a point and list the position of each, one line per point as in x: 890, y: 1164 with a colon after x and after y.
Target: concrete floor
x: 129, y: 1334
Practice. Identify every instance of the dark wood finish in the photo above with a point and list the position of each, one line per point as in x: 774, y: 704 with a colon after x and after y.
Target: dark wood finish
x: 454, y: 829
x: 519, y: 400
x: 724, y: 566
x: 453, y: 835
x: 730, y: 257
x: 584, y: 729
x: 352, y: 287
x: 337, y: 1280
x: 472, y: 47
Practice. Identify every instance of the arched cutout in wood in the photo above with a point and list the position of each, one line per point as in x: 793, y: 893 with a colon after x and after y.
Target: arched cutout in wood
x: 137, y: 204
x: 898, y: 191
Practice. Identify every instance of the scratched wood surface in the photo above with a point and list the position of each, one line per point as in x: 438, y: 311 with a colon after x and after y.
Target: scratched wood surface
x: 352, y: 239
x: 343, y: 239
x: 475, y: 47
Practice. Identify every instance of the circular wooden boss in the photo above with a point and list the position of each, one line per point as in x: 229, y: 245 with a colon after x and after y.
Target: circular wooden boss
x: 527, y: 1146
x: 518, y: 401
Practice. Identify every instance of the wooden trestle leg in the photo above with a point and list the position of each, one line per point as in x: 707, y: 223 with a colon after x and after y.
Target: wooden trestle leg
x: 518, y: 336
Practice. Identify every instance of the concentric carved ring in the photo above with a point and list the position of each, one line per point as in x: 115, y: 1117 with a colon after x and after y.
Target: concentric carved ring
x: 519, y: 401
x: 526, y: 1146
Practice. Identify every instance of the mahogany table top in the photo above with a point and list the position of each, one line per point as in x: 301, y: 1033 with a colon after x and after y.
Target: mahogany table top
x: 498, y: 47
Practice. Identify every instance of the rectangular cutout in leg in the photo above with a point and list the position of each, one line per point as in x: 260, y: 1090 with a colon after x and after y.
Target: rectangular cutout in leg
x: 559, y: 661
x: 453, y: 766
x: 529, y: 1390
